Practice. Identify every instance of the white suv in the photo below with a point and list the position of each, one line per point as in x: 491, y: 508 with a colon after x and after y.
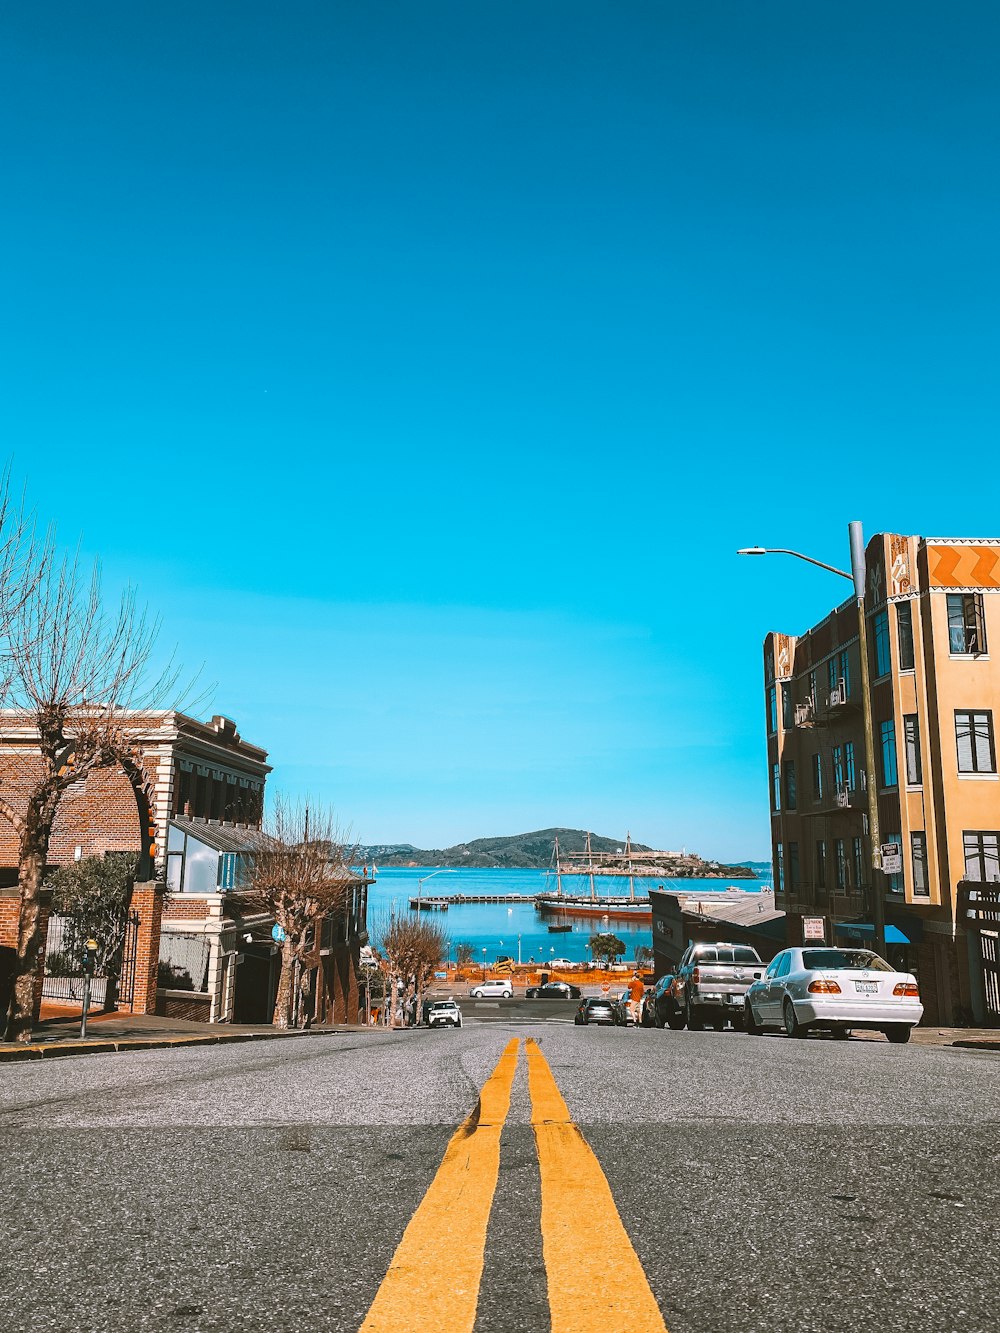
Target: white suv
x: 504, y: 988
x: 444, y: 1013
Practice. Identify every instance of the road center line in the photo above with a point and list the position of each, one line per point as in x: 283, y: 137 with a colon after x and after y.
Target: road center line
x: 596, y: 1282
x: 433, y: 1280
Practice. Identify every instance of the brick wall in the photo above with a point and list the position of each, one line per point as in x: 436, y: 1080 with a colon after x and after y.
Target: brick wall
x: 190, y: 1006
x: 147, y: 901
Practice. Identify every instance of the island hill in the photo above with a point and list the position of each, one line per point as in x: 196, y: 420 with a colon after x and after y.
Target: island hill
x: 534, y: 851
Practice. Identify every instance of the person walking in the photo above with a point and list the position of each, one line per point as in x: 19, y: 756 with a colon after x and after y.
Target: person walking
x: 636, y: 990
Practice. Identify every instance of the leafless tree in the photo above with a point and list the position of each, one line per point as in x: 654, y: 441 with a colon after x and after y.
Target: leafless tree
x: 74, y: 669
x: 413, y: 948
x: 300, y: 872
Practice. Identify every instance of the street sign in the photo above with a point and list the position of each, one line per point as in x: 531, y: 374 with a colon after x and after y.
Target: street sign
x: 813, y: 928
x: 892, y: 858
x: 278, y: 933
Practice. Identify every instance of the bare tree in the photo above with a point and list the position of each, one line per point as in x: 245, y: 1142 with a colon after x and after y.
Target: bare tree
x: 300, y: 872
x: 74, y: 670
x: 413, y: 948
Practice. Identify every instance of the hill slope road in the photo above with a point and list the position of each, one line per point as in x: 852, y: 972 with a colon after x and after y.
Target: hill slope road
x: 729, y: 1185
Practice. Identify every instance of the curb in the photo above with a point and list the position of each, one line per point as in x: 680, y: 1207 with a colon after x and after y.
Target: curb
x: 978, y: 1044
x: 119, y: 1046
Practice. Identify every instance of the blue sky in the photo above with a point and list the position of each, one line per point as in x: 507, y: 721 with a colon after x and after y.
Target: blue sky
x: 424, y: 365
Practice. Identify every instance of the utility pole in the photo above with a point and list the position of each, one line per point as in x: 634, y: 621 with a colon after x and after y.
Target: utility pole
x: 859, y: 573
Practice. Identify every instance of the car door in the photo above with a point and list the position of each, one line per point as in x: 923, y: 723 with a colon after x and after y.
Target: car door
x: 766, y: 1004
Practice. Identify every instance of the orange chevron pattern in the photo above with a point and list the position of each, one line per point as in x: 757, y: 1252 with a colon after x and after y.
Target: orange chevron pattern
x: 964, y: 566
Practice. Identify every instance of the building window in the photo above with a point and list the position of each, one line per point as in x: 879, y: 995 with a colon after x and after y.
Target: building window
x: 772, y: 710
x: 793, y: 866
x: 883, y: 661
x: 813, y: 696
x: 904, y: 633
x: 850, y: 768
x: 845, y: 672
x: 837, y: 765
x: 817, y: 777
x: 982, y: 856
x: 894, y: 883
x: 832, y: 678
x: 789, y: 784
x: 775, y: 786
x: 890, y: 774
x: 911, y: 745
x: 974, y: 738
x: 840, y: 857
x: 966, y: 625
x: 787, y: 706
x: 821, y: 864
x: 858, y: 858
x: 769, y: 666
x: 779, y: 868
x: 918, y: 852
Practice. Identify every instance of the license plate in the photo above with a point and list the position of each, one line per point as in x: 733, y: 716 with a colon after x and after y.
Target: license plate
x: 867, y: 987
x: 736, y: 999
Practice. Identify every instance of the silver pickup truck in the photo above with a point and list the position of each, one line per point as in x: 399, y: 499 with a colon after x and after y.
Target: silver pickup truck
x: 711, y: 982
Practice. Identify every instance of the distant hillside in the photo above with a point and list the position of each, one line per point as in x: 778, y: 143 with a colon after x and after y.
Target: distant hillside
x: 533, y: 851
x: 522, y: 851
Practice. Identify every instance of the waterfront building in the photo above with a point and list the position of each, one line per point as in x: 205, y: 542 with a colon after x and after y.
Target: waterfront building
x: 932, y: 612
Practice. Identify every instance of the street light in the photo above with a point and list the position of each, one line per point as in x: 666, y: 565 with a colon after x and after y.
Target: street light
x: 484, y: 962
x: 445, y: 870
x: 857, y: 576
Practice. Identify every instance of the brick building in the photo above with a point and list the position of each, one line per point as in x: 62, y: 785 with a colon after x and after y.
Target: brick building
x: 933, y: 627
x: 191, y: 805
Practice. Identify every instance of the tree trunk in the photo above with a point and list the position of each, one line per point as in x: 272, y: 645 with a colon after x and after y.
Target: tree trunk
x: 31, y: 873
x: 286, y: 994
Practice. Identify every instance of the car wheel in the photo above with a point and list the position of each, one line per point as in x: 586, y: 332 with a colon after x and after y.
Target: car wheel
x: 792, y: 1025
x: 693, y: 1017
x: 675, y: 1022
x: 750, y: 1024
x: 898, y: 1033
x: 840, y: 1034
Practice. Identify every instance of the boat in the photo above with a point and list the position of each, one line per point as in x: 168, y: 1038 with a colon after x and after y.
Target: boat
x: 559, y: 929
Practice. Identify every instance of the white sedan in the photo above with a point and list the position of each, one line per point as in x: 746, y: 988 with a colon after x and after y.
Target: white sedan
x: 834, y: 989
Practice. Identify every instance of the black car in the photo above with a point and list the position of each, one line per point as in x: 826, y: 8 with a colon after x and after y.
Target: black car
x: 603, y: 1009
x: 666, y: 1011
x: 553, y: 990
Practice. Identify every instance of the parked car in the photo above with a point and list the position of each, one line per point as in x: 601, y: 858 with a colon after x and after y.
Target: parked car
x: 444, y: 1014
x: 503, y: 987
x: 836, y: 990
x: 647, y: 1012
x: 553, y: 990
x: 666, y: 1011
x: 560, y: 963
x: 601, y: 1009
x: 711, y: 982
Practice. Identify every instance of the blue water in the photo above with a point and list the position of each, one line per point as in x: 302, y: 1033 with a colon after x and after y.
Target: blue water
x: 516, y: 928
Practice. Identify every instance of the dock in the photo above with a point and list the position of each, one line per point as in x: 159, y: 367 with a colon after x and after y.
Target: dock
x: 441, y: 902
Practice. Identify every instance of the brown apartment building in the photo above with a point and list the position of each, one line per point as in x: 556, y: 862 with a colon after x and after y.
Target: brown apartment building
x: 933, y: 628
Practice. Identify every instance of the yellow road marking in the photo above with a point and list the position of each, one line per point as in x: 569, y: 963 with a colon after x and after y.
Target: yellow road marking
x: 433, y: 1280
x: 596, y: 1282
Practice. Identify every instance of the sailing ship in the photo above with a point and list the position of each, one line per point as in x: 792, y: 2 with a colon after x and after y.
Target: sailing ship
x: 624, y: 863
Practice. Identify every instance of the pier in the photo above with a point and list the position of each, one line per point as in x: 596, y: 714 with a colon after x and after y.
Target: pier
x: 441, y: 902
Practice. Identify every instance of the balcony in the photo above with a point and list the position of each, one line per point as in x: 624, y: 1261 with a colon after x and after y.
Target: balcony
x: 842, y: 800
x: 831, y: 705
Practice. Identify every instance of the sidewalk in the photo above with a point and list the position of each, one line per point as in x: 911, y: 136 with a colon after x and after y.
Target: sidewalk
x: 121, y: 1032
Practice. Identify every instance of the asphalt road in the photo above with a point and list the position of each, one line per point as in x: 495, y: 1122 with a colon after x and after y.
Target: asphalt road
x: 765, y: 1184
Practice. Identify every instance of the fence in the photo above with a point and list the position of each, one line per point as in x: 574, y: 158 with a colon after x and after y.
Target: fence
x: 113, y: 980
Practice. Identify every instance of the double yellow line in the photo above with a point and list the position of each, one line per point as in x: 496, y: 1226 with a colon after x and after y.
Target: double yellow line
x: 596, y: 1283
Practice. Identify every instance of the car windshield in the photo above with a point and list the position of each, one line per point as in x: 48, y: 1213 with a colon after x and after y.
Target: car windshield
x: 444, y: 1004
x: 841, y: 960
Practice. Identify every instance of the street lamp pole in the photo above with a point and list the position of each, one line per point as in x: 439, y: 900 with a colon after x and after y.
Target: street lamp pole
x: 857, y: 577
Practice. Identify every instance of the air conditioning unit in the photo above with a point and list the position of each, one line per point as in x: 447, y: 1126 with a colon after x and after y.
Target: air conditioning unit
x: 803, y: 713
x: 837, y: 697
x: 843, y: 798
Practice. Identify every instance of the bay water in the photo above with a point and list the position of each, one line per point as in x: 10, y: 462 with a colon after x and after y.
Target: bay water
x: 518, y: 929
